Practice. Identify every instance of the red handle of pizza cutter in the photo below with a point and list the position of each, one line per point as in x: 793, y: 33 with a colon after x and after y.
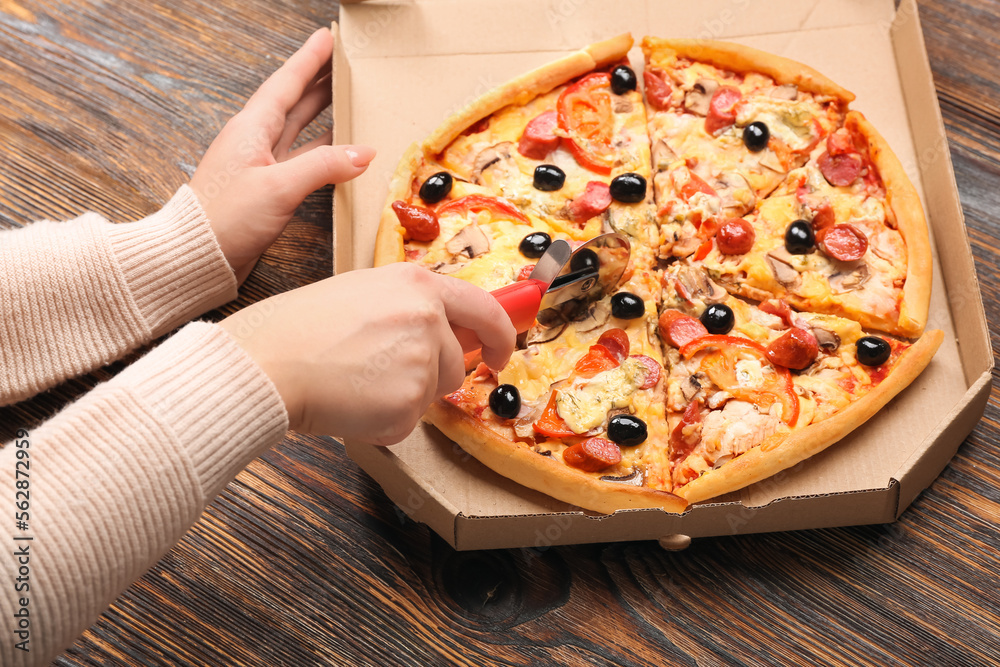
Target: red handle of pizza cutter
x: 521, y: 301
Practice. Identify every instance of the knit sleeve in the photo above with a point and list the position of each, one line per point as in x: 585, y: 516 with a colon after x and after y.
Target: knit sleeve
x: 117, y: 478
x: 77, y: 295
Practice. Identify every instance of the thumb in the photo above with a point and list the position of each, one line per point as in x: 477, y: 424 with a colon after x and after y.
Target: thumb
x: 323, y: 165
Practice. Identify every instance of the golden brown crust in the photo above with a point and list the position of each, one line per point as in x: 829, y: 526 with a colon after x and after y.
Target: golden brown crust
x: 389, y: 241
x: 543, y: 473
x: 902, y: 198
x: 763, y: 461
x: 526, y: 87
x: 739, y: 58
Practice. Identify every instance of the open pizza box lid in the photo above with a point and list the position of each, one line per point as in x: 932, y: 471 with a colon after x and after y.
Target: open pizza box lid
x: 403, y: 66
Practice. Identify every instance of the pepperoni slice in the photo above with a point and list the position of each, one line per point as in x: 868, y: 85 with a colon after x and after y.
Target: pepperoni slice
x: 658, y: 91
x: 840, y: 170
x: 796, y: 349
x: 735, y: 237
x: 616, y: 340
x: 596, y: 199
x: 722, y: 109
x: 844, y: 242
x: 823, y: 217
x: 840, y: 142
x: 539, y: 137
x: 652, y: 368
x: 679, y: 329
x: 778, y: 308
x: 421, y: 224
x: 593, y: 455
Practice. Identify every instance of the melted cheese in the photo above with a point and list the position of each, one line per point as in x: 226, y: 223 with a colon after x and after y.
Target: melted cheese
x: 584, y: 405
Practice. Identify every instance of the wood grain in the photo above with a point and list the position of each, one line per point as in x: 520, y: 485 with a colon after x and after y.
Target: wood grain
x: 303, y: 560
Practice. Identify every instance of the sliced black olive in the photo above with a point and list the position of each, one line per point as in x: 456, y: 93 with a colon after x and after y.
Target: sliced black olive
x: 534, y: 245
x: 585, y: 258
x: 436, y: 187
x: 627, y: 306
x: 718, y: 319
x: 627, y: 431
x: 623, y: 79
x: 873, y: 351
x: 628, y: 188
x: 505, y: 401
x: 800, y: 238
x: 549, y: 177
x: 755, y: 137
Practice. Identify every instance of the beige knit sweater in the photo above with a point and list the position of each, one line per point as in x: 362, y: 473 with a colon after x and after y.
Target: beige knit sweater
x: 115, y: 479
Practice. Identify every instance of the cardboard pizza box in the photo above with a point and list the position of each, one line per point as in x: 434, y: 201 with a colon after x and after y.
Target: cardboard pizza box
x: 403, y: 66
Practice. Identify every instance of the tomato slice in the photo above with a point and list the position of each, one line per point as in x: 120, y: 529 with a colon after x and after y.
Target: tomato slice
x: 585, y: 115
x: 597, y: 360
x: 694, y: 185
x: 720, y: 366
x: 550, y: 423
x: 477, y: 203
x: 681, y: 446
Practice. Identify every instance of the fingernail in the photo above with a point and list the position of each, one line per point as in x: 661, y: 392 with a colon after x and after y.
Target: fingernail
x: 360, y: 156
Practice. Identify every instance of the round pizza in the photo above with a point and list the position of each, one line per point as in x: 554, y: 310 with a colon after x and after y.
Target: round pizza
x: 776, y: 290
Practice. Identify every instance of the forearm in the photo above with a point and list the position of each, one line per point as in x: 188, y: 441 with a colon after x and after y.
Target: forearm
x: 77, y: 295
x: 119, y: 476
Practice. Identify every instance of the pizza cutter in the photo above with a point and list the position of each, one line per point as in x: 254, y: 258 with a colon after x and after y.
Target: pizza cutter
x: 566, y: 281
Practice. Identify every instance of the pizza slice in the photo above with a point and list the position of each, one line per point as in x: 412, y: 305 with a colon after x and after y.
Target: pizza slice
x: 845, y: 235
x: 566, y: 145
x: 754, y: 388
x: 727, y: 123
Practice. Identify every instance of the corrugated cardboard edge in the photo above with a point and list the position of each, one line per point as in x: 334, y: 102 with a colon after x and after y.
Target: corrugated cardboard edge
x: 954, y: 255
x: 340, y: 79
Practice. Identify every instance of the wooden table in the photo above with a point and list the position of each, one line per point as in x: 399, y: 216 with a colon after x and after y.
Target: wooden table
x: 303, y: 560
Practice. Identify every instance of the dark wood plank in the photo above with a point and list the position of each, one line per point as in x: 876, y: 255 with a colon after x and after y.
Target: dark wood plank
x: 303, y: 560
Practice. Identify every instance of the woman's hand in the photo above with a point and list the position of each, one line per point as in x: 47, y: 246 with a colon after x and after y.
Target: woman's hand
x: 249, y: 181
x: 361, y: 355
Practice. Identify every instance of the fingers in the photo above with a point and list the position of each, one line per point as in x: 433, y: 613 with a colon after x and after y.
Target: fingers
x: 313, y: 102
x: 470, y: 307
x: 451, y: 364
x: 282, y: 91
x: 324, y: 139
x: 308, y: 172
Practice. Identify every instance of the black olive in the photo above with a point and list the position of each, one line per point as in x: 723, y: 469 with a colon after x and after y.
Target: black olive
x: 873, y: 351
x: 436, y: 187
x: 623, y: 79
x: 627, y: 431
x: 534, y: 245
x: 718, y: 319
x: 628, y: 188
x: 505, y: 401
x: 584, y: 258
x: 549, y: 177
x: 627, y: 306
x: 799, y: 238
x: 755, y: 137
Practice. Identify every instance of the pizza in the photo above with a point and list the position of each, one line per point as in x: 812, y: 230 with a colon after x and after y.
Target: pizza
x: 775, y: 296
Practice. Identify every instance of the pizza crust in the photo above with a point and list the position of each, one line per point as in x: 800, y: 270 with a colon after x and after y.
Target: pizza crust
x: 546, y: 474
x: 902, y: 198
x: 389, y: 240
x: 763, y: 461
x: 739, y: 58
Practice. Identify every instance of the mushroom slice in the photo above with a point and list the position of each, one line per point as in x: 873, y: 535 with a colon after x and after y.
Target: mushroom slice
x: 722, y: 460
x: 595, y: 316
x: 445, y: 269
x: 699, y: 286
x: 698, y: 98
x: 691, y: 386
x: 663, y: 155
x: 789, y: 91
x: 471, y: 241
x: 635, y: 478
x: 769, y: 159
x: 735, y: 192
x: 621, y: 105
x: 783, y: 271
x: 489, y: 157
x: 848, y: 281
x: 828, y: 340
x: 542, y: 334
